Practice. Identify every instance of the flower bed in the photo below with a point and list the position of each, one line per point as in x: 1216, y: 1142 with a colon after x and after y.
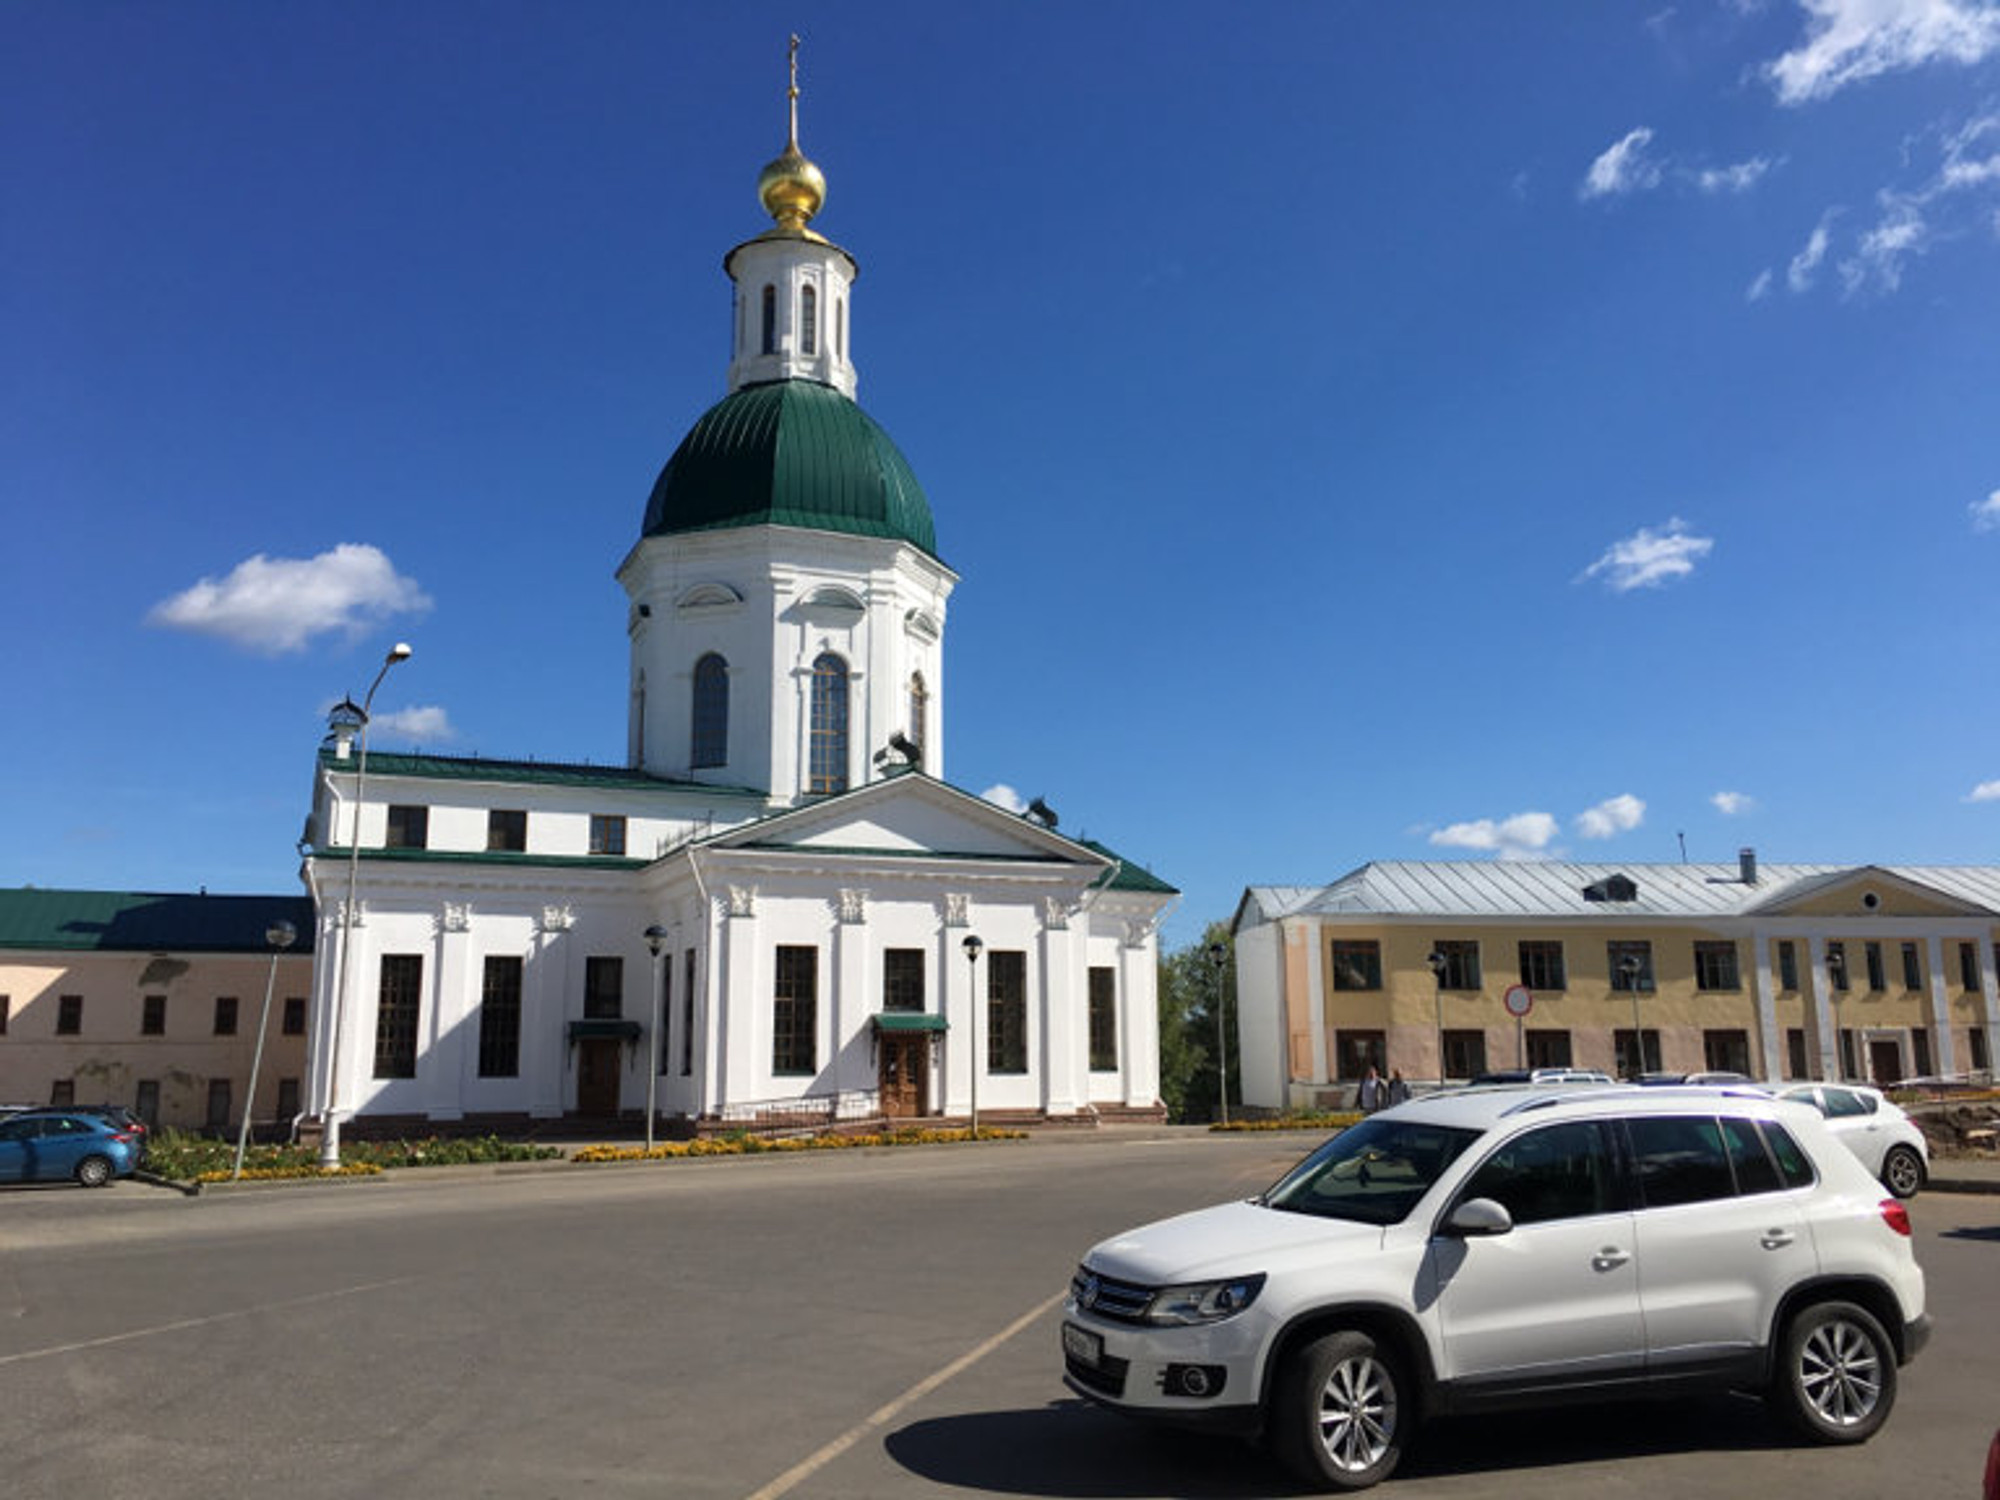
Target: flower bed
x: 1336, y: 1120
x: 752, y: 1145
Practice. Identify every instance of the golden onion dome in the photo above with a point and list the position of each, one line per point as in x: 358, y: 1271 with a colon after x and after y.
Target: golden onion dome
x: 791, y: 188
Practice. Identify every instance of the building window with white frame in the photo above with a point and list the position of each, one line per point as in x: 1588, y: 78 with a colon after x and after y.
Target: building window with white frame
x: 827, y: 767
x: 1715, y: 967
x: 398, y: 1003
x: 1103, y: 1019
x: 795, y: 1012
x: 1006, y: 1011
x: 809, y: 320
x: 709, y: 745
x: 1542, y: 968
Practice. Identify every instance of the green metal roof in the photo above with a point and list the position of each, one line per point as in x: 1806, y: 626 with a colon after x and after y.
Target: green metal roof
x: 533, y: 772
x: 1130, y: 877
x: 910, y: 1020
x: 149, y: 922
x: 790, y: 453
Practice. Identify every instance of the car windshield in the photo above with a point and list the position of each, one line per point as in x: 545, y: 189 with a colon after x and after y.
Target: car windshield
x: 1372, y: 1173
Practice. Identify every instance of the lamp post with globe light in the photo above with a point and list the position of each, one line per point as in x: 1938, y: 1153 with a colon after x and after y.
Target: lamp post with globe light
x: 973, y: 948
x: 1629, y: 969
x: 656, y: 940
x: 351, y: 718
x: 280, y: 935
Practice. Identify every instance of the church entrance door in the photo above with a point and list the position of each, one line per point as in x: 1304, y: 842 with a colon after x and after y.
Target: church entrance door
x: 597, y: 1060
x: 904, y: 1074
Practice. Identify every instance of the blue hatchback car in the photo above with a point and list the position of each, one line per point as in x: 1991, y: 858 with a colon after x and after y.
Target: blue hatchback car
x: 48, y: 1145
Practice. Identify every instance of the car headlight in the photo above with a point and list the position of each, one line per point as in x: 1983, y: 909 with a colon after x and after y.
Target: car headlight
x: 1204, y: 1301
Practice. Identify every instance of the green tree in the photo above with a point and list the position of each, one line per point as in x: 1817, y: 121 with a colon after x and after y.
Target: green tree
x: 1190, y: 982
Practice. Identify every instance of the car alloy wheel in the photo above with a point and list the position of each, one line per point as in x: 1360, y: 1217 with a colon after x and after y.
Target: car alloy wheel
x: 1340, y: 1418
x: 93, y: 1171
x: 1839, y: 1373
x: 1903, y: 1172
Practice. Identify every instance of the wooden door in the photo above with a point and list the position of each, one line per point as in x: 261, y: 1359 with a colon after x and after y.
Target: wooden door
x: 1885, y: 1062
x: 903, y: 1074
x: 597, y: 1060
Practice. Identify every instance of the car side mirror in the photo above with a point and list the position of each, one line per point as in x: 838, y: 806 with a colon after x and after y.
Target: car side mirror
x: 1478, y: 1217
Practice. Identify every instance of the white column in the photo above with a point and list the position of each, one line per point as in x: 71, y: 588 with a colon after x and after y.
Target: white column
x: 737, y: 992
x: 449, y: 1058
x: 853, y: 999
x: 1825, y: 1024
x: 544, y: 1028
x: 1138, y: 1023
x: 1064, y: 1056
x: 1989, y: 987
x: 1946, y: 1051
x: 1770, y: 1044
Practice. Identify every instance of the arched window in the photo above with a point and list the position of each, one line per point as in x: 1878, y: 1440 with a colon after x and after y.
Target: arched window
x: 770, y: 320
x: 827, y: 768
x: 840, y: 327
x: 920, y: 715
x: 809, y: 320
x: 710, y: 745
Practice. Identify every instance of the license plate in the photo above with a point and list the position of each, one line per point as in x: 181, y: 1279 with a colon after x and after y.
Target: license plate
x: 1081, y: 1344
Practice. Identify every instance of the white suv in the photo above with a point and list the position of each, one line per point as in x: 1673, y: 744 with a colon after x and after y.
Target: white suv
x: 1489, y: 1247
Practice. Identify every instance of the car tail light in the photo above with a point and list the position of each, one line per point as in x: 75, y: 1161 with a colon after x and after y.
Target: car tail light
x: 127, y: 1138
x: 1896, y: 1216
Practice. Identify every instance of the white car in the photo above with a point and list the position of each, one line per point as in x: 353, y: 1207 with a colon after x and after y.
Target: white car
x: 1875, y: 1129
x: 1475, y: 1249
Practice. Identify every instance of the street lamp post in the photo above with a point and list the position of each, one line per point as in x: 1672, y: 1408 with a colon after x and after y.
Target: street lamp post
x: 1628, y: 969
x: 1218, y: 956
x: 656, y: 940
x: 973, y: 948
x: 280, y: 935
x: 329, y: 1146
x: 1438, y: 963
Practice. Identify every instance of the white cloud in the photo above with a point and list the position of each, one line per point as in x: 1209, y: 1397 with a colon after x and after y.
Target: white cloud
x: 1739, y: 178
x: 1623, y: 168
x: 276, y: 605
x: 427, y: 725
x: 1799, y: 274
x: 1648, y: 558
x: 1986, y: 513
x: 1611, y: 817
x: 1760, y: 288
x: 1878, y: 258
x: 1002, y: 795
x: 1523, y: 836
x: 1986, y: 791
x: 1849, y: 41
x: 1733, y: 804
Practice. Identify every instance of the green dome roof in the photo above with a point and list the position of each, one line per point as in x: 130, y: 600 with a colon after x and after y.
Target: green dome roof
x: 790, y: 453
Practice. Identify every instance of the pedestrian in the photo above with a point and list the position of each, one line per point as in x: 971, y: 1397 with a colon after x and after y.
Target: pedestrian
x: 1369, y: 1096
x: 1399, y: 1091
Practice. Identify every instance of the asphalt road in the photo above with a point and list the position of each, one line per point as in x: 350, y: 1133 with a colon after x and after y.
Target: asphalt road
x: 875, y: 1325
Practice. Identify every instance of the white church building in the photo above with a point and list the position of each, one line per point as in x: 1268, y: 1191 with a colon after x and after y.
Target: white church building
x: 777, y: 906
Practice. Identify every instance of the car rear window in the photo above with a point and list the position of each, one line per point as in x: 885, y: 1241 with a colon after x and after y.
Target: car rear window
x: 1680, y: 1159
x: 1793, y: 1166
x: 1756, y: 1172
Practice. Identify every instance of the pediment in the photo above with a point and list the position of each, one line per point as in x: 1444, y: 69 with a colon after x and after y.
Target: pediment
x: 1866, y: 893
x: 910, y: 816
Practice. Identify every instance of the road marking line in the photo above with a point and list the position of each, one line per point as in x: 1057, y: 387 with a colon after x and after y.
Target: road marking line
x: 806, y: 1468
x: 243, y: 1312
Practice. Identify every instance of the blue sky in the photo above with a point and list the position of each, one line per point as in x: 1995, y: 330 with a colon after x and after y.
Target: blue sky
x: 1364, y: 432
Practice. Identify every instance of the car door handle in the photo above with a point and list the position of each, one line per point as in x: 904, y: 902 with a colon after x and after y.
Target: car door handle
x: 1610, y: 1258
x: 1777, y: 1239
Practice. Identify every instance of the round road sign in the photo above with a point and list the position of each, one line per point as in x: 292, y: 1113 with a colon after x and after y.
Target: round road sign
x: 1518, y: 1000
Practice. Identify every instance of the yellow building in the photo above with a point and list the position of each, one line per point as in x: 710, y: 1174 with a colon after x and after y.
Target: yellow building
x: 1788, y: 971
x: 155, y: 1001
